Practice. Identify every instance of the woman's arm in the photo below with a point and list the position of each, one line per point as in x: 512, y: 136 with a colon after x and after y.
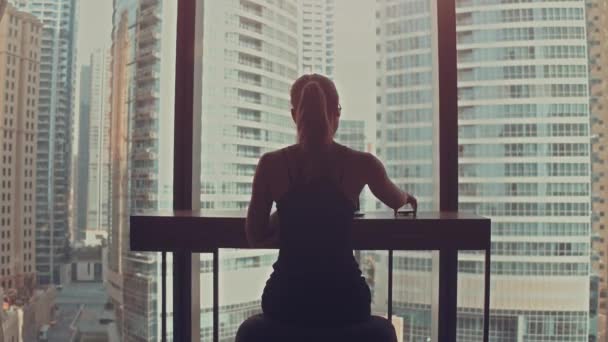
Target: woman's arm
x: 383, y: 188
x: 261, y: 228
x: 271, y: 240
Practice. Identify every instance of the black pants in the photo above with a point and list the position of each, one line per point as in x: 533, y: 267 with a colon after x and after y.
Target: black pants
x: 259, y: 328
x: 336, y: 301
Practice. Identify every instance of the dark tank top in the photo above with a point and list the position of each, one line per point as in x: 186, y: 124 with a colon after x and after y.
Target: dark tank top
x: 316, y: 268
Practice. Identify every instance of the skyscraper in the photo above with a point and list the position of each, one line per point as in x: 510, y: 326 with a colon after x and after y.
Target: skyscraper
x: 523, y: 156
x: 20, y: 40
x: 245, y: 94
x: 118, y: 236
x: 82, y: 159
x: 406, y: 122
x: 597, y: 33
x: 317, y: 36
x: 98, y: 149
x: 54, y: 131
x: 141, y: 143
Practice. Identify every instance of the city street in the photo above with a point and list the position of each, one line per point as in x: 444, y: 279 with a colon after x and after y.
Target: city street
x: 69, y: 301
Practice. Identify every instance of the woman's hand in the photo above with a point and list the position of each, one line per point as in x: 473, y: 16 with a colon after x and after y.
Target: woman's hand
x: 411, y: 200
x: 271, y: 240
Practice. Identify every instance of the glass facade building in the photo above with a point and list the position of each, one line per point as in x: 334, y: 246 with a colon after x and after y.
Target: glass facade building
x: 98, y: 154
x: 523, y: 156
x: 54, y: 142
x: 249, y: 60
x: 317, y: 36
x: 81, y: 175
x: 245, y: 93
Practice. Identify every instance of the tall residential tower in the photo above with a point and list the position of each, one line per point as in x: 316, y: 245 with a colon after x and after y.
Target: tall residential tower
x: 97, y: 216
x: 245, y: 95
x: 142, y: 66
x: 53, y: 139
x: 20, y: 39
x: 317, y: 36
x: 523, y: 156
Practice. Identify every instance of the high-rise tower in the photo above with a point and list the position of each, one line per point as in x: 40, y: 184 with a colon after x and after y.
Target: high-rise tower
x: 141, y: 159
x: 20, y: 40
x: 245, y: 96
x: 82, y: 158
x: 98, y: 149
x: 317, y: 36
x: 523, y: 155
x: 53, y: 169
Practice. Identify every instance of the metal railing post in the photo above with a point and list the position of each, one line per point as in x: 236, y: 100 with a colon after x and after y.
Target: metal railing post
x: 448, y: 294
x: 390, y: 286
x: 216, y: 291
x: 486, y: 294
x: 182, y: 162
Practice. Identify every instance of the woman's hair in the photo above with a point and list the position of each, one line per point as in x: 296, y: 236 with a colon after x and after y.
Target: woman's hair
x: 315, y: 101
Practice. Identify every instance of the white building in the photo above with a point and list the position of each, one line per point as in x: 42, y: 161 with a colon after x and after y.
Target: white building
x: 317, y: 36
x: 245, y: 93
x: 523, y: 158
x: 58, y: 58
x: 98, y: 134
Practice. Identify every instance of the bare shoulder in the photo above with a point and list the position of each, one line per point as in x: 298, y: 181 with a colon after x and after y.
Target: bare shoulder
x: 358, y: 158
x: 359, y: 161
x: 269, y: 161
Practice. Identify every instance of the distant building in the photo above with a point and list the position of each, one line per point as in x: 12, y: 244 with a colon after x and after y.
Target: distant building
x: 248, y: 69
x: 22, y: 318
x: 20, y: 39
x: 82, y: 158
x: 86, y: 264
x: 53, y: 138
x: 97, y: 132
x: 317, y: 36
x: 351, y: 133
x: 523, y: 158
x: 9, y: 323
x: 141, y: 153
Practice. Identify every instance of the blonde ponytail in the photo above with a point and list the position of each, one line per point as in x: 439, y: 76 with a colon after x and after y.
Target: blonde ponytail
x: 313, y: 125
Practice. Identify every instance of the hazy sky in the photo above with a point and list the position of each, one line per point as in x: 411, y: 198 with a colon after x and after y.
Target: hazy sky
x: 355, y: 60
x: 94, y: 28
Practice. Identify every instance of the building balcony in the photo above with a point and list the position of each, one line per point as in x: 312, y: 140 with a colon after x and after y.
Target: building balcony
x: 147, y: 3
x: 146, y: 135
x: 251, y: 28
x: 251, y: 10
x: 596, y: 237
x: 148, y: 35
x: 148, y: 54
x: 146, y: 112
x: 145, y: 175
x: 149, y: 15
x: 145, y: 195
x: 198, y: 232
x: 147, y: 94
x: 144, y: 155
x: 147, y: 74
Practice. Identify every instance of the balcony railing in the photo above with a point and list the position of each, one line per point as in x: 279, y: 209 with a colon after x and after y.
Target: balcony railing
x: 446, y: 232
